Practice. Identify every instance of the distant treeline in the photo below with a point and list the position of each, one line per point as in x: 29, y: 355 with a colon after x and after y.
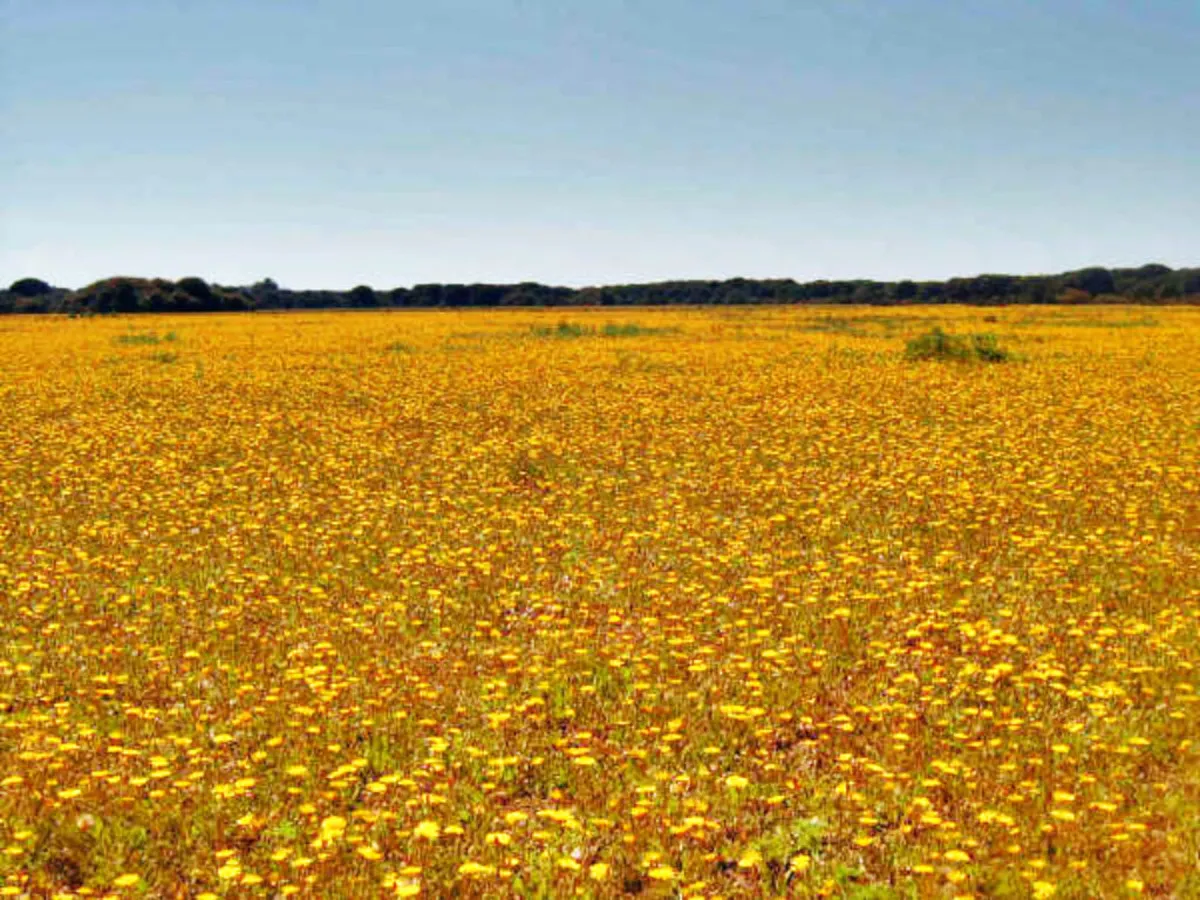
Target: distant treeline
x: 1146, y: 284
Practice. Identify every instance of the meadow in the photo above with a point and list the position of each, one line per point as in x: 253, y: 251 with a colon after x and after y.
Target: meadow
x: 729, y: 602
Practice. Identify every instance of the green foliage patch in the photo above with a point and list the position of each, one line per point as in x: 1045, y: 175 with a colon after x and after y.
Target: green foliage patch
x: 144, y: 338
x: 940, y: 346
x: 570, y: 330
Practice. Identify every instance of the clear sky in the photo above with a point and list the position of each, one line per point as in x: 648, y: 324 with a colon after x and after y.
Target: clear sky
x: 327, y: 143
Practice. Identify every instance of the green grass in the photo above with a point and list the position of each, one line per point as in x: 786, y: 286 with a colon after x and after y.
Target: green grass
x: 563, y: 330
x: 570, y: 330
x: 1063, y: 321
x: 145, y: 338
x: 632, y: 329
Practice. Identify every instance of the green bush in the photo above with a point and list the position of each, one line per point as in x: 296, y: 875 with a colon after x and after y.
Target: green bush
x: 938, y: 345
x: 988, y: 349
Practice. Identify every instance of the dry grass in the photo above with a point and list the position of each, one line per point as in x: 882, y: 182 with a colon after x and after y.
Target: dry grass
x: 740, y: 604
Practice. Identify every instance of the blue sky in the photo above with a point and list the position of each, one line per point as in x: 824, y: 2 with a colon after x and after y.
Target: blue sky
x: 327, y: 143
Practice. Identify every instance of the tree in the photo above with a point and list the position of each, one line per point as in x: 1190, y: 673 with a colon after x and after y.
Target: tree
x: 361, y: 296
x: 196, y: 288
x: 1073, y: 295
x: 30, y: 287
x: 1094, y: 280
x: 264, y: 294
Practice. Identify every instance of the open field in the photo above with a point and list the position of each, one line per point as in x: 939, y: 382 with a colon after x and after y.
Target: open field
x: 731, y: 602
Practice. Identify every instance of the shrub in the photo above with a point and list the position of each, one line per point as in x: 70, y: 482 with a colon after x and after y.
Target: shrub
x: 988, y: 349
x: 940, y: 346
x: 936, y: 344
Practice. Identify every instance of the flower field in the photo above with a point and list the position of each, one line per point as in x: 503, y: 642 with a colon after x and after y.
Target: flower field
x: 728, y: 602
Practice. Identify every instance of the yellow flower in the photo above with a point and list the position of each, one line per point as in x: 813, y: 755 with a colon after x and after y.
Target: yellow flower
x: 126, y: 880
x: 800, y: 863
x: 598, y: 871
x: 332, y: 827
x: 428, y: 830
x: 473, y: 868
x: 736, y: 782
x: 663, y: 873
x: 750, y: 859
x: 1043, y: 890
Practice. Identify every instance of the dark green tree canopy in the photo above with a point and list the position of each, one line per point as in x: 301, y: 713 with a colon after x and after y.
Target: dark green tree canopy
x: 363, y: 295
x: 1152, y: 283
x: 30, y: 287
